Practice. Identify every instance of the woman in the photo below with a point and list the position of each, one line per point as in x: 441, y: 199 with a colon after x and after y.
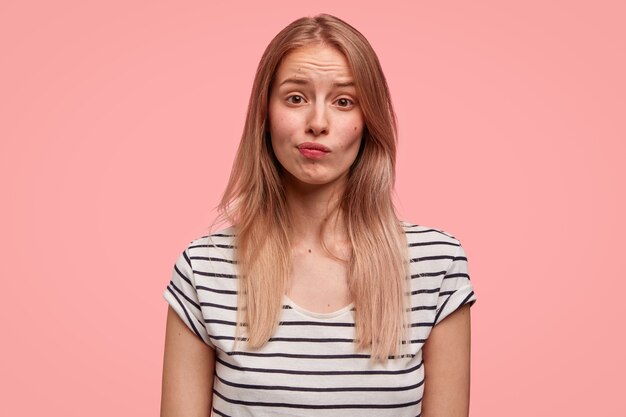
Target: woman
x: 340, y: 305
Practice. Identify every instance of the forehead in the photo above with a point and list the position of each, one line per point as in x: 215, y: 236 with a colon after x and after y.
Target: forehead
x: 316, y: 60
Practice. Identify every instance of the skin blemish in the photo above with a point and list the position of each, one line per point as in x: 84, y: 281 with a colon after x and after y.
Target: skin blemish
x: 309, y: 250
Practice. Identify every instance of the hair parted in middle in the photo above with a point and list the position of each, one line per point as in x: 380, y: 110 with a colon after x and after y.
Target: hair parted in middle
x: 254, y: 201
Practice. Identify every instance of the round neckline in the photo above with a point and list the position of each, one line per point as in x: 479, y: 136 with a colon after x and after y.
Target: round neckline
x: 315, y: 315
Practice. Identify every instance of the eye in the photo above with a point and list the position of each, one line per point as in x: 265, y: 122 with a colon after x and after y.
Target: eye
x: 345, y: 102
x: 295, y: 99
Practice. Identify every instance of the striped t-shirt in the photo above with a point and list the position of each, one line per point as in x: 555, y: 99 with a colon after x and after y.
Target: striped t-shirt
x: 310, y: 366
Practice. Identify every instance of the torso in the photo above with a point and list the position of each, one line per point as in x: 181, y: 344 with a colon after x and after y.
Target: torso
x: 317, y: 282
x: 310, y: 366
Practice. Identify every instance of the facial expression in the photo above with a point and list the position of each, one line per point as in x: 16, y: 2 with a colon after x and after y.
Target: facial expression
x: 315, y: 120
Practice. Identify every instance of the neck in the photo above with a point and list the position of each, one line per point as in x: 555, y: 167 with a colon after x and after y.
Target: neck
x: 313, y: 208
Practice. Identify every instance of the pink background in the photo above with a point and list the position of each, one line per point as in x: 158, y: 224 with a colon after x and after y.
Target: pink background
x: 119, y: 122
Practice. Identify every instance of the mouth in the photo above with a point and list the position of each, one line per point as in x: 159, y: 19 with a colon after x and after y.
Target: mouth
x: 312, y: 150
x: 313, y: 146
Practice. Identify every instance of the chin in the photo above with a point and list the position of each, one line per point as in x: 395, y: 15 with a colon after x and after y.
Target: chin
x: 318, y: 180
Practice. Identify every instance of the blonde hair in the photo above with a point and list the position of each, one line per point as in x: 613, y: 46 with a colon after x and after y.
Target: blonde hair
x: 254, y: 201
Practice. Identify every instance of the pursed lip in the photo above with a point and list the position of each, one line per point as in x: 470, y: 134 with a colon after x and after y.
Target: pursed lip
x: 313, y: 146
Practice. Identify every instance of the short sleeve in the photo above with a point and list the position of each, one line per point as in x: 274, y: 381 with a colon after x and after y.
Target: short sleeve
x: 182, y: 296
x: 456, y: 289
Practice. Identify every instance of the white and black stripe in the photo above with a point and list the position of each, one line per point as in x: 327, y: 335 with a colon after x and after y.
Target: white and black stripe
x: 310, y: 367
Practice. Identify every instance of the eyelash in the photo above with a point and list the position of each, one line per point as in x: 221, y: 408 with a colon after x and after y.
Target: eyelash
x: 292, y: 96
x: 351, y: 102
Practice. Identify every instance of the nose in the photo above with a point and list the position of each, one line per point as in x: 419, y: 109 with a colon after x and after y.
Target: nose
x: 317, y: 123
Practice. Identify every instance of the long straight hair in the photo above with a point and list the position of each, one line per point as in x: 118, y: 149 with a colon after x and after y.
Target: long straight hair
x: 254, y: 201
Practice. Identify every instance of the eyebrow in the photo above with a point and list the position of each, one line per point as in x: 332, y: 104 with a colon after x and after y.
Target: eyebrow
x: 304, y: 81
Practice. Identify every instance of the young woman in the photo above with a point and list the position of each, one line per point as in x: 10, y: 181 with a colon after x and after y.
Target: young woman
x: 318, y: 300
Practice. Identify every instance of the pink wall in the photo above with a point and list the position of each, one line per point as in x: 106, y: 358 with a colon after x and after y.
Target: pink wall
x: 119, y: 121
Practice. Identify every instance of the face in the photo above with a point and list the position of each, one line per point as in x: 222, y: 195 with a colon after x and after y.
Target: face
x: 315, y: 120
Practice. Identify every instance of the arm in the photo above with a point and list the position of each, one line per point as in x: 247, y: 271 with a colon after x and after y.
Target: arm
x: 188, y: 370
x: 446, y: 356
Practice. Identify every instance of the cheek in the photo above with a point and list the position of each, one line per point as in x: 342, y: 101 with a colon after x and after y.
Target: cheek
x: 281, y: 126
x: 275, y: 117
x: 354, y: 131
x: 280, y: 131
x: 356, y: 125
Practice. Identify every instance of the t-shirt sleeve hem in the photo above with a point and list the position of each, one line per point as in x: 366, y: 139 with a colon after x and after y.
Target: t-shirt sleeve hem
x: 460, y: 297
x: 174, y: 300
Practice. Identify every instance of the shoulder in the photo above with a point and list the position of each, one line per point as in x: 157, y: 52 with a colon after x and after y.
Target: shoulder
x: 213, y: 252
x: 213, y: 242
x: 431, y: 249
x: 419, y: 235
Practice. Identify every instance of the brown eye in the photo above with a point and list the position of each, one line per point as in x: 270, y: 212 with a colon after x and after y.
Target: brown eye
x: 344, y: 102
x: 295, y: 99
